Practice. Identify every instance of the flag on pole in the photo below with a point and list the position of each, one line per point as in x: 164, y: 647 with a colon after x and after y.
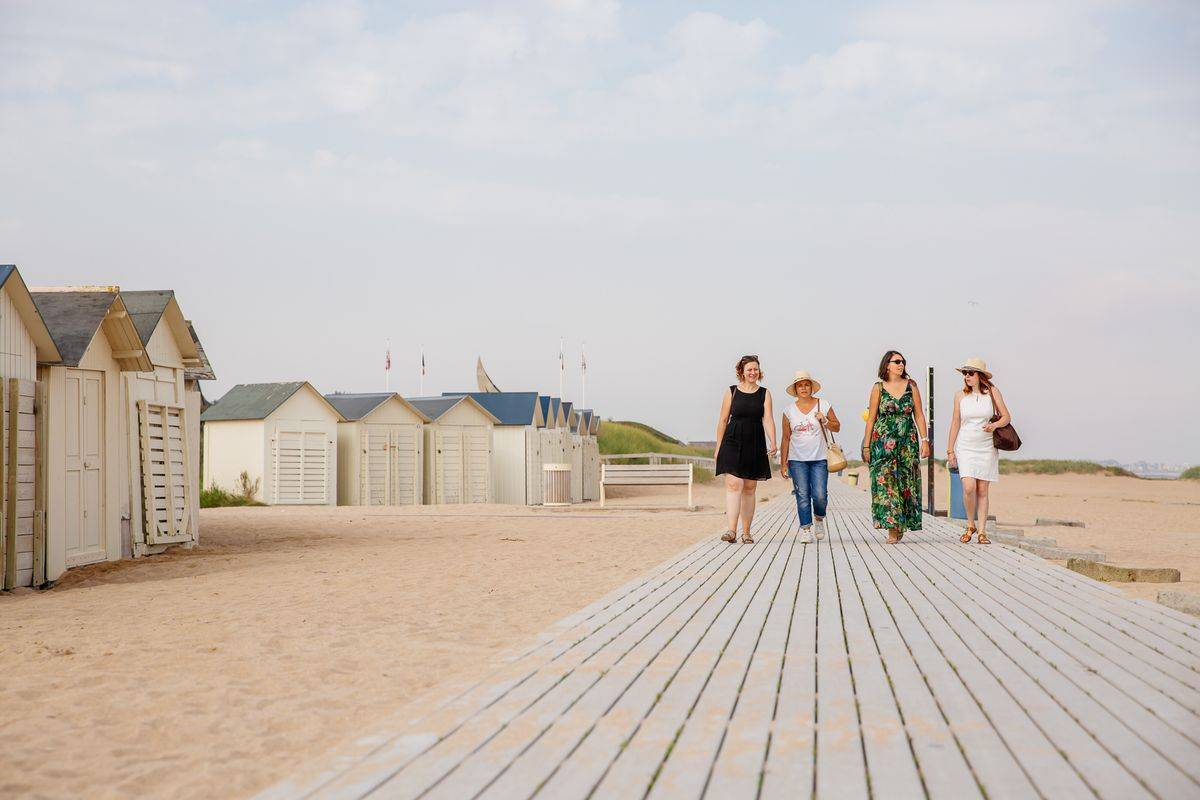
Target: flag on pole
x: 387, y: 361
x: 387, y: 367
x: 562, y: 367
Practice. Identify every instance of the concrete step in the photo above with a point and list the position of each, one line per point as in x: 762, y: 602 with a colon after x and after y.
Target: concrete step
x: 1059, y: 553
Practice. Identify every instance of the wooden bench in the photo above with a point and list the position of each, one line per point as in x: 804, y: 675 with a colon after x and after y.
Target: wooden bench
x: 646, y: 475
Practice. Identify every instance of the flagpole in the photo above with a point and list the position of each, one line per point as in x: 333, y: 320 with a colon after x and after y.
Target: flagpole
x: 561, y: 368
x: 387, y: 368
x: 583, y: 375
x: 422, y: 391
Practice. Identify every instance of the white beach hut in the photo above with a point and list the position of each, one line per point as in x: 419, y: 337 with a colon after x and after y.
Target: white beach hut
x: 24, y: 341
x: 151, y: 398
x: 516, y: 445
x: 554, y: 435
x: 574, y: 450
x: 87, y: 483
x: 380, y: 449
x: 458, y: 449
x: 591, y: 455
x: 284, y: 435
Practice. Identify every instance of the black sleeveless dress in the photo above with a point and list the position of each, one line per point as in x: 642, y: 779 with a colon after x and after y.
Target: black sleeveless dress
x: 743, y: 452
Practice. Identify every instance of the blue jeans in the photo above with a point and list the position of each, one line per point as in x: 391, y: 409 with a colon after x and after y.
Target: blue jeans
x: 810, y: 484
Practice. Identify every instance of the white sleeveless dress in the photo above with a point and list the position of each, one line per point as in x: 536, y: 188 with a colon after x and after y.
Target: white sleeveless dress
x: 977, y: 456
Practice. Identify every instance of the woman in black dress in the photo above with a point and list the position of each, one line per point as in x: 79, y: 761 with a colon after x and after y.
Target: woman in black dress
x: 744, y: 429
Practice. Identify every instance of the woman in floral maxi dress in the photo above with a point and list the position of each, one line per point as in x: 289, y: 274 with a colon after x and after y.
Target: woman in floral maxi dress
x: 896, y: 444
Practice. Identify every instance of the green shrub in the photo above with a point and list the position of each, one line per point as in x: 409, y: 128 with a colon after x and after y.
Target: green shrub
x: 657, y: 434
x: 1191, y: 474
x: 216, y: 497
x: 1050, y: 466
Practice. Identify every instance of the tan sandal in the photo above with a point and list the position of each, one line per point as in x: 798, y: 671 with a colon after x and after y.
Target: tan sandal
x: 966, y: 537
x: 747, y: 539
x: 893, y: 538
x: 729, y: 536
x: 983, y: 539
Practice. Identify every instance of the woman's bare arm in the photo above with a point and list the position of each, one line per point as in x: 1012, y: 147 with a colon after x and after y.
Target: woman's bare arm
x: 769, y: 423
x: 722, y: 421
x: 785, y: 428
x: 919, y: 417
x: 832, y: 422
x: 955, y: 424
x: 872, y: 411
x: 1002, y: 409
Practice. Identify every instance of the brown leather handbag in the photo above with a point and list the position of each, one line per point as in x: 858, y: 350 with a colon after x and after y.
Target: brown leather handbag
x: 1005, y: 438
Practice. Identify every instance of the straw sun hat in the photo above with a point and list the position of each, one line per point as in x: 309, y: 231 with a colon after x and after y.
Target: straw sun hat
x: 977, y: 364
x: 803, y: 375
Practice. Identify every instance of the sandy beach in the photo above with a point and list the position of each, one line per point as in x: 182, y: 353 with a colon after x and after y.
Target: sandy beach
x: 216, y: 672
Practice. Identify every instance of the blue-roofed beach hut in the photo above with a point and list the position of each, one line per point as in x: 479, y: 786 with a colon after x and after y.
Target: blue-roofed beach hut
x: 516, y: 444
x: 380, y: 450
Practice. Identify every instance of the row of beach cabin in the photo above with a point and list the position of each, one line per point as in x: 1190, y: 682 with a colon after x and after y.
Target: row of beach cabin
x: 101, y: 403
x: 299, y: 447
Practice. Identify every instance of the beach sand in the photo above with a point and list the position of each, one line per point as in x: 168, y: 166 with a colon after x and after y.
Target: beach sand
x: 218, y: 671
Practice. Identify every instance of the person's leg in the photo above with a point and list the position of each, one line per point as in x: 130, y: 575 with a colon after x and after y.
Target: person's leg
x: 796, y: 473
x: 747, y: 510
x: 818, y: 486
x: 968, y: 486
x: 733, y: 505
x: 981, y: 509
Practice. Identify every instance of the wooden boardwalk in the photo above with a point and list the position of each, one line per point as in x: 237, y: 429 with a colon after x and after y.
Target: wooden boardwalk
x: 841, y: 669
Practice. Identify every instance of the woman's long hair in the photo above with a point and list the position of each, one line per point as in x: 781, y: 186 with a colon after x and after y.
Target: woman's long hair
x: 985, y: 385
x: 883, y: 364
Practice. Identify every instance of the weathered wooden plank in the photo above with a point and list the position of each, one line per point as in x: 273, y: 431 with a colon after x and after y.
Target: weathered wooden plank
x: 10, y: 521
x: 1149, y: 749
x: 449, y: 718
x: 634, y: 770
x: 989, y: 754
x: 574, y: 726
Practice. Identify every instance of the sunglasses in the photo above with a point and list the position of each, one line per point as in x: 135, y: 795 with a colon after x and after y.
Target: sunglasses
x: 897, y: 361
x: 750, y: 358
x: 968, y: 372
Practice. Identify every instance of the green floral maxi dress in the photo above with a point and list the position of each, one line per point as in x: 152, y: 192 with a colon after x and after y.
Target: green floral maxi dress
x: 895, y: 464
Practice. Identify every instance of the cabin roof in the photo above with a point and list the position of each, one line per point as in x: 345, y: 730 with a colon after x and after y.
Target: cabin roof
x: 511, y: 408
x: 73, y: 318
x: 256, y: 401
x: 147, y: 307
x: 355, y: 406
x: 43, y: 343
x: 203, y: 372
x: 437, y: 407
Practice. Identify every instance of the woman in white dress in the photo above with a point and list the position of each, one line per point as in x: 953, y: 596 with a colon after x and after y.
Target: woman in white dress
x: 971, y: 449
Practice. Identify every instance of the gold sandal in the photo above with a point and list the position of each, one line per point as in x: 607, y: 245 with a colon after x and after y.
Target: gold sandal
x: 983, y: 539
x: 729, y: 536
x: 747, y: 539
x: 966, y: 537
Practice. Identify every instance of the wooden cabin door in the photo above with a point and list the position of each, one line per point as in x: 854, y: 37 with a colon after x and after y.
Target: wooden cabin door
x: 406, y: 465
x: 83, y: 516
x: 449, y: 465
x: 376, y: 468
x: 301, y: 469
x: 477, y: 465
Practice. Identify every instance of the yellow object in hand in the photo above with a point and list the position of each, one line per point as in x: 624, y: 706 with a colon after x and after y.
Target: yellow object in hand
x: 866, y: 413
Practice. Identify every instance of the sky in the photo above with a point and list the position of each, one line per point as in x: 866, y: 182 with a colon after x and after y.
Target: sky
x: 672, y: 184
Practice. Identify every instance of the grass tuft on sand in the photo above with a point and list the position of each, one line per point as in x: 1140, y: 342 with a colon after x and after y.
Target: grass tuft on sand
x: 1191, y: 474
x: 1051, y: 466
x: 634, y: 437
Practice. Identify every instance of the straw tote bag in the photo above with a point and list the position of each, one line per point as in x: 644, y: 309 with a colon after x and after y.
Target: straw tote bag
x: 1005, y: 438
x: 834, y: 458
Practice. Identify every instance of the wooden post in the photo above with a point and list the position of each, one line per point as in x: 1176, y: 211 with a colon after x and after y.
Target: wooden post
x: 930, y: 465
x: 3, y: 492
x: 10, y: 519
x: 40, y: 411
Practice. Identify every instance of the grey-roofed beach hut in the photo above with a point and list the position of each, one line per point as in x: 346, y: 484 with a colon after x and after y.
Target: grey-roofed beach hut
x: 87, y: 476
x: 554, y: 436
x: 380, y: 449
x: 458, y: 449
x: 516, y: 445
x: 283, y: 435
x: 149, y: 397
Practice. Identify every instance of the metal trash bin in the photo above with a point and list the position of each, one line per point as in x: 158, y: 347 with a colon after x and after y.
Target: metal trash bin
x: 557, y: 484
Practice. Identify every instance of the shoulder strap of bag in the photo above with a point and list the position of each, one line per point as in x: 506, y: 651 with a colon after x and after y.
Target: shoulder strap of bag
x: 992, y: 397
x: 826, y: 434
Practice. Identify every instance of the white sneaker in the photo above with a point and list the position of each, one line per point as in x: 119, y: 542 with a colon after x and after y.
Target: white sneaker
x: 806, y: 536
x: 820, y: 526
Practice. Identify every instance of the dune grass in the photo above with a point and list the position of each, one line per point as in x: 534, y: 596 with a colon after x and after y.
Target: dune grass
x: 1191, y: 474
x: 634, y: 437
x: 1051, y: 466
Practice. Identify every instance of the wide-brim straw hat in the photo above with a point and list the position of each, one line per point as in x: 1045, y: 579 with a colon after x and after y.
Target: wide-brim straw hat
x: 804, y: 375
x: 977, y: 364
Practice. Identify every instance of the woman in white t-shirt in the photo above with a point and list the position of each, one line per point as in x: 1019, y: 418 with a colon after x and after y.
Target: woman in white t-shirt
x: 803, y: 456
